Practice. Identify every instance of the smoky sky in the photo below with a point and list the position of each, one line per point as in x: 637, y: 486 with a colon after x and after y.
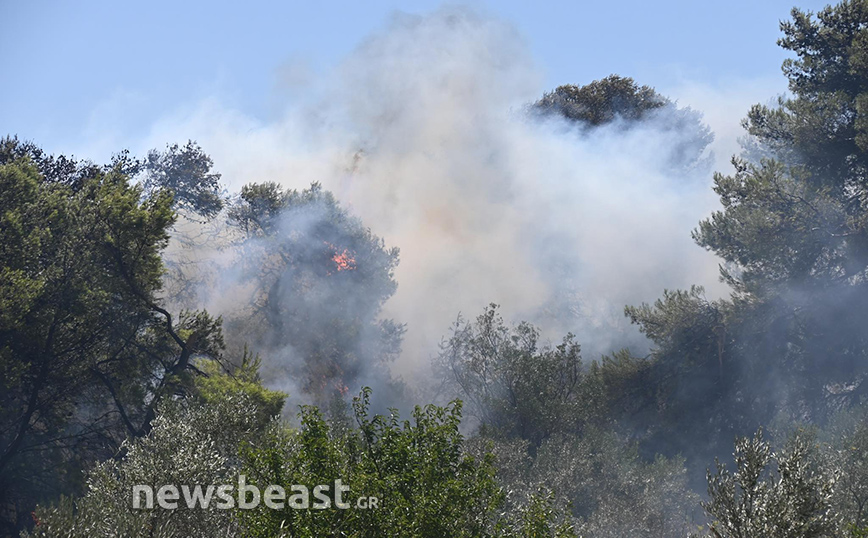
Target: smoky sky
x: 422, y: 133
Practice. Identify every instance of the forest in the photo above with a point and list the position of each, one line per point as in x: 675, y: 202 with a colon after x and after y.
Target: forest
x: 158, y: 329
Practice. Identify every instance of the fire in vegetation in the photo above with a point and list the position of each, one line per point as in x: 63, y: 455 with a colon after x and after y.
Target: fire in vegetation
x: 344, y: 259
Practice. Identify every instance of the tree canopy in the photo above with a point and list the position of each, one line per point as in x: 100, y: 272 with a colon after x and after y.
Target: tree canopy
x: 320, y: 279
x: 86, y: 349
x: 106, y: 384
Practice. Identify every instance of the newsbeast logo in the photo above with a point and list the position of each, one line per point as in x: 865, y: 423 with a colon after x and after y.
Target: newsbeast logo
x: 247, y: 497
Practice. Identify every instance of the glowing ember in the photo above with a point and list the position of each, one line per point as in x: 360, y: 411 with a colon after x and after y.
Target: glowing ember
x: 344, y: 260
x: 343, y: 389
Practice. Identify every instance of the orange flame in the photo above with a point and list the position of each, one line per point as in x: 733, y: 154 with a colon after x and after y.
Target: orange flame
x: 344, y: 260
x: 342, y: 388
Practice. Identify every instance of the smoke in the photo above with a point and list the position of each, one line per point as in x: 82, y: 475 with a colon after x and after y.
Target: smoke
x: 422, y: 133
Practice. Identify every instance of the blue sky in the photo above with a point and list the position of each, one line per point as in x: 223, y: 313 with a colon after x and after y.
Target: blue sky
x: 408, y: 120
x: 64, y: 62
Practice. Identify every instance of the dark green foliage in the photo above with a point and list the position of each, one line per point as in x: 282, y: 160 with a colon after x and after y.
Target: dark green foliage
x: 779, y: 494
x: 793, y: 230
x: 320, y: 279
x: 86, y: 350
x: 627, y: 387
x: 194, y: 441
x: 515, y: 386
x: 803, y: 219
x: 185, y: 171
x: 551, y: 422
x: 621, y: 102
x: 79, y: 267
x: 602, y: 101
x: 89, y: 353
x: 601, y: 481
x: 215, y: 385
x: 793, y: 237
x: 425, y: 484
x: 844, y: 444
x: 697, y: 385
x: 823, y: 127
x: 776, y: 229
x: 54, y: 168
x: 190, y: 444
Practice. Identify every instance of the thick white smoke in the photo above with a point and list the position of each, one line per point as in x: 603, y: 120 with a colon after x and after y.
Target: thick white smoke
x: 421, y: 132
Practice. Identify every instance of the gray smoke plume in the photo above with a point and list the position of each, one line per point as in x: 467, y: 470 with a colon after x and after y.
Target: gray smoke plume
x: 422, y: 134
